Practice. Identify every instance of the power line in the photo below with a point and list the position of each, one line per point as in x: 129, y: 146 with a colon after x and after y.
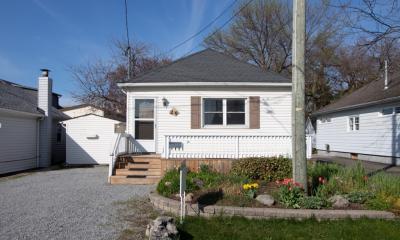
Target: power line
x: 222, y: 26
x: 203, y: 28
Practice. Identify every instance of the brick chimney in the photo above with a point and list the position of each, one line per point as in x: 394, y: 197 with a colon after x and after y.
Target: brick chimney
x: 45, y: 90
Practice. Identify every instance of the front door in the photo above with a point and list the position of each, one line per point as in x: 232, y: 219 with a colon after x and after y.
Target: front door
x: 144, y: 122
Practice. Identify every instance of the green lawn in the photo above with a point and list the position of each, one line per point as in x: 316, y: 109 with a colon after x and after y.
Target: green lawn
x: 241, y: 228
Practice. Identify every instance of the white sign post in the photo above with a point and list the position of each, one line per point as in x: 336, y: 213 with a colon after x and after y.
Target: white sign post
x: 182, y: 189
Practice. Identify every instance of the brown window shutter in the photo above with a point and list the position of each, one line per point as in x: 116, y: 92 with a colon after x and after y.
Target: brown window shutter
x: 195, y: 112
x: 254, y: 112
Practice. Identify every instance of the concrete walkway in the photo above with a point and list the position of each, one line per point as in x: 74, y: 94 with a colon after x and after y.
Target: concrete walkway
x: 370, y: 167
x: 73, y: 203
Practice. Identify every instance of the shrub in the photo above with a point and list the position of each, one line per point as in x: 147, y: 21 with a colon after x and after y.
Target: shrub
x: 385, y: 183
x: 359, y: 196
x: 172, y: 178
x: 290, y: 193
x: 386, y: 189
x: 267, y: 168
x: 312, y: 202
x: 320, y: 173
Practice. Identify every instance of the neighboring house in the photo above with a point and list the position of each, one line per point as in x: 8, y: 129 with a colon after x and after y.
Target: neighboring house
x: 363, y: 124
x: 89, y: 139
x: 81, y: 110
x: 209, y: 105
x: 30, y: 133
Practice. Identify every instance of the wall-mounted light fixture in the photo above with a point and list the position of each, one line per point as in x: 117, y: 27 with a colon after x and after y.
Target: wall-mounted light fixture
x: 165, y: 102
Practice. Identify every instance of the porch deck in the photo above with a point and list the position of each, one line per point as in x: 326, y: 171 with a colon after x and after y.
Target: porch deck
x: 149, y: 168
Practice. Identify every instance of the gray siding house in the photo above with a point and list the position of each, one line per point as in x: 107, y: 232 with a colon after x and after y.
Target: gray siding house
x: 30, y: 133
x: 363, y: 125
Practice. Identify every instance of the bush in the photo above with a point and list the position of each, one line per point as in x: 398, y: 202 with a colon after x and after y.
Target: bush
x: 320, y: 173
x: 359, y: 197
x: 312, y: 202
x: 267, y: 168
x: 169, y: 184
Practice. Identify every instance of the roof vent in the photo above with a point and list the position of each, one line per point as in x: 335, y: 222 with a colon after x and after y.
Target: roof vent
x: 45, y: 72
x: 386, y: 75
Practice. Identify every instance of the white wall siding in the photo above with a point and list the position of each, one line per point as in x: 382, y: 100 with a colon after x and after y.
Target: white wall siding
x: 17, y: 143
x: 275, y: 110
x: 80, y: 148
x: 378, y: 134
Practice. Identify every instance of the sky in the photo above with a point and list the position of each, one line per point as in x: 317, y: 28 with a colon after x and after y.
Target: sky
x: 58, y: 34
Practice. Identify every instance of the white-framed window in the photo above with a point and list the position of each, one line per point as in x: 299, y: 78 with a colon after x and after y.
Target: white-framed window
x: 325, y: 120
x: 390, y: 111
x: 387, y: 111
x: 354, y: 123
x: 224, y: 112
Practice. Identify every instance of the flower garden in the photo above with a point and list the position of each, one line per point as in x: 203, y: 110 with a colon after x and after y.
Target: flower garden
x: 330, y: 186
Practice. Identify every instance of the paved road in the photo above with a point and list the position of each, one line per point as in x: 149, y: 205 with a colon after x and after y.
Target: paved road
x: 63, y: 204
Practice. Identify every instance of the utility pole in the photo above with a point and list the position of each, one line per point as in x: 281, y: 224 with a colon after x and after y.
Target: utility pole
x: 298, y: 103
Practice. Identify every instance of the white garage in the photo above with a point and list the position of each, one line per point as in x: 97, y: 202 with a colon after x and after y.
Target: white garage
x: 89, y: 139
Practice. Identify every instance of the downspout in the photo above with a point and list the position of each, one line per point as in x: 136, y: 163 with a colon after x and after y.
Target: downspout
x: 38, y: 141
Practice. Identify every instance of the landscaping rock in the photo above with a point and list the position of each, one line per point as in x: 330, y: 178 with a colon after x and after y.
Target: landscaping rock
x: 199, y: 183
x: 266, y: 199
x: 189, y: 197
x: 163, y: 228
x: 338, y: 201
x: 167, y: 184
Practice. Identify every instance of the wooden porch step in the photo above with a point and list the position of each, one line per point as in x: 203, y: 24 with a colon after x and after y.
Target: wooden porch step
x: 146, y: 172
x: 144, y: 166
x: 133, y: 180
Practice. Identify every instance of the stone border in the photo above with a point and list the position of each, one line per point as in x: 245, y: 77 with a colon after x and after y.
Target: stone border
x: 173, y: 206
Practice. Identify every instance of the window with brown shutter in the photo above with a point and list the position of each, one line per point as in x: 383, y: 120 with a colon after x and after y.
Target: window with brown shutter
x: 254, y: 112
x: 195, y: 112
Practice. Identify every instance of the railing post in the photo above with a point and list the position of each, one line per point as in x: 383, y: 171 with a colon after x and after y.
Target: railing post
x: 110, y: 167
x: 237, y: 148
x: 166, y: 147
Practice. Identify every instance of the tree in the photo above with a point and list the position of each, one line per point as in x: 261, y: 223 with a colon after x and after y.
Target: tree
x: 97, y: 80
x: 261, y: 34
x: 375, y: 20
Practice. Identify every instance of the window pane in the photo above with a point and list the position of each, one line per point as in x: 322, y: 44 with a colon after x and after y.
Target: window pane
x: 235, y: 105
x: 144, y: 108
x: 213, y: 119
x: 387, y: 111
x: 357, y: 123
x: 397, y: 110
x: 144, y: 130
x: 212, y: 105
x: 235, y: 118
x: 351, y: 124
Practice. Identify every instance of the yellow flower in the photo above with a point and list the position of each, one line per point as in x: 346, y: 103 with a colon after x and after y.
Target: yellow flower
x: 246, y: 186
x: 255, y: 185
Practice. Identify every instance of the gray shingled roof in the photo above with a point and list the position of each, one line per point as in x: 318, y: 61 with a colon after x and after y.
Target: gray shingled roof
x: 209, y: 66
x: 23, y: 99
x: 372, y: 93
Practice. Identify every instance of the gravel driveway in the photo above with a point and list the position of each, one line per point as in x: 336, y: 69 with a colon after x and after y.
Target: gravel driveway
x: 63, y: 204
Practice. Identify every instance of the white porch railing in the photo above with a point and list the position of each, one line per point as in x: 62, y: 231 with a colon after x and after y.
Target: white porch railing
x: 232, y: 146
x: 121, y: 146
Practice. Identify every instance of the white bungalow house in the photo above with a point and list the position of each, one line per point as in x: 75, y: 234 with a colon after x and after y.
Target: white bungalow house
x: 30, y: 133
x: 363, y: 125
x: 208, y: 106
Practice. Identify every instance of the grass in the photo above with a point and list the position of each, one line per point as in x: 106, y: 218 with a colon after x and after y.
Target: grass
x: 220, y: 228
